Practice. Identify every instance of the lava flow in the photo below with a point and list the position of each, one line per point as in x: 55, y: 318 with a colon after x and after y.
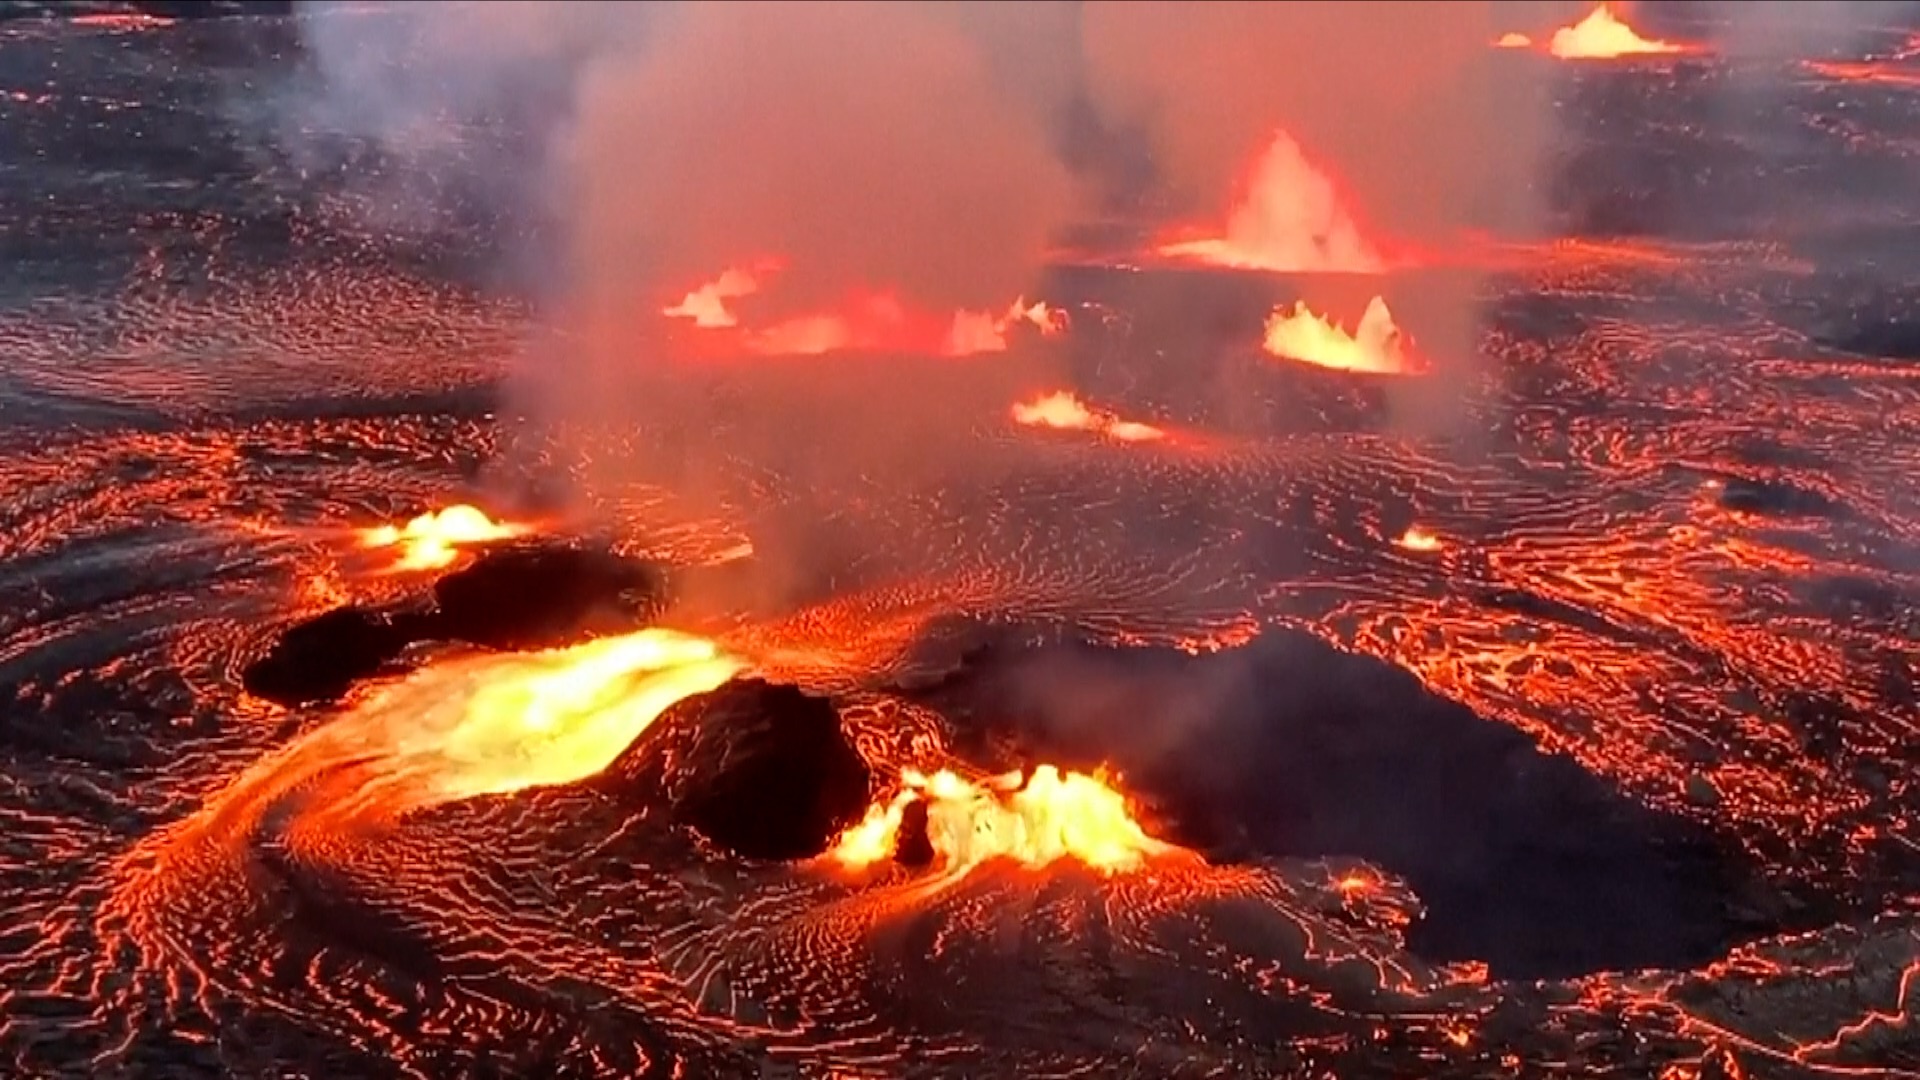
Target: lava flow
x: 1602, y: 35
x: 434, y: 539
x: 1063, y: 411
x: 868, y: 320
x: 492, y: 724
x: 1289, y: 218
x: 1034, y: 820
x: 1375, y: 347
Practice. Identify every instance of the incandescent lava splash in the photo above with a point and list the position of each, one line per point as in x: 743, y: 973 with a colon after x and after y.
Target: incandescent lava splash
x: 433, y: 540
x: 1602, y: 35
x: 867, y: 320
x: 1063, y: 411
x: 1289, y: 217
x: 1034, y: 820
x: 1375, y: 347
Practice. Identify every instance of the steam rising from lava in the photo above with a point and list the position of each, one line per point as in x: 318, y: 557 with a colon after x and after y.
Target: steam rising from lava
x: 875, y: 156
x: 1397, y: 100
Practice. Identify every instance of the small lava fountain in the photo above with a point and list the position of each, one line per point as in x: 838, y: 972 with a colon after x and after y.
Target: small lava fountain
x: 1375, y: 347
x: 1033, y: 820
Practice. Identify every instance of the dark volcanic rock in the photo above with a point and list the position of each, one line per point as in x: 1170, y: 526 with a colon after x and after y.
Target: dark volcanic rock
x: 1774, y: 499
x: 761, y: 770
x: 1289, y: 747
x: 320, y: 659
x: 545, y: 597
x: 913, y: 845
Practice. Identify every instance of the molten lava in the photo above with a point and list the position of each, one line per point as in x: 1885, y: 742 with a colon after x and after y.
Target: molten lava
x: 1418, y: 539
x: 1289, y: 218
x: 1513, y: 40
x: 434, y: 539
x: 1065, y: 412
x: 1375, y: 347
x: 1603, y: 36
x: 867, y: 320
x: 1052, y: 815
x: 707, y: 305
x: 491, y: 724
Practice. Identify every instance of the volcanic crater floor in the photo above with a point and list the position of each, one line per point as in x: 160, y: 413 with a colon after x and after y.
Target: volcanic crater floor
x: 1613, y: 777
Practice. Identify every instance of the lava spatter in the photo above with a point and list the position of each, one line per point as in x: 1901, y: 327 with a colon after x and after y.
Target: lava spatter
x: 433, y: 540
x: 1033, y: 820
x: 1376, y: 346
x: 869, y: 320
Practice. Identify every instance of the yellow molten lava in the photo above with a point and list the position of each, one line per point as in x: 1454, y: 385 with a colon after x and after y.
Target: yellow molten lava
x: 1602, y: 36
x: 1289, y: 218
x: 1375, y: 347
x: 1418, y: 539
x: 434, y: 539
x: 491, y: 724
x: 707, y: 305
x: 1513, y: 40
x: 1064, y: 411
x: 1053, y: 815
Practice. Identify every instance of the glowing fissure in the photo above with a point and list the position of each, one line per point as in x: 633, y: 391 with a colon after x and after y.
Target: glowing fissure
x: 1033, y: 820
x: 1376, y: 346
x: 868, y: 320
x: 1290, y: 218
x: 433, y: 540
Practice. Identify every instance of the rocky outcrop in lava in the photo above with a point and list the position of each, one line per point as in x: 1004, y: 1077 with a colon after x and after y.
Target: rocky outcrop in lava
x: 519, y: 598
x: 538, y: 597
x: 320, y: 659
x: 761, y: 770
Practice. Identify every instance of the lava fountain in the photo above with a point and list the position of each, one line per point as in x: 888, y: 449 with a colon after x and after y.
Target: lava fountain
x: 1034, y: 821
x: 1375, y: 347
x: 1602, y: 35
x: 484, y: 725
x: 434, y: 539
x: 1063, y: 411
x: 1289, y: 218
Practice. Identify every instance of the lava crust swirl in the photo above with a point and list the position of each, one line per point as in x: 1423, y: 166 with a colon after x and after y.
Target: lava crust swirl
x: 1145, y: 677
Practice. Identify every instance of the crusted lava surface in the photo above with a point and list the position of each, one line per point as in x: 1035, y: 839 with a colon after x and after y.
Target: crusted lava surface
x: 1617, y: 777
